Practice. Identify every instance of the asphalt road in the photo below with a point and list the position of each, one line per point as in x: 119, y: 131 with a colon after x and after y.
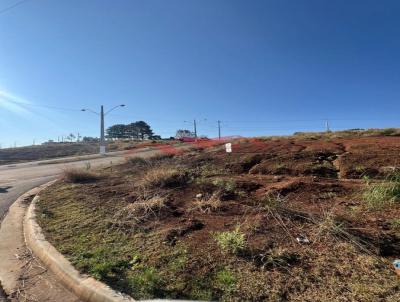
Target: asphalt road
x: 20, y: 178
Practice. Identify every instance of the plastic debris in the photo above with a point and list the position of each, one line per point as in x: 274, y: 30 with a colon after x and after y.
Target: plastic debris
x: 396, y: 264
x: 303, y: 240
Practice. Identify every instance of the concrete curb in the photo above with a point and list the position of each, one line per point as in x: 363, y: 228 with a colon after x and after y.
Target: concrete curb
x: 84, y: 287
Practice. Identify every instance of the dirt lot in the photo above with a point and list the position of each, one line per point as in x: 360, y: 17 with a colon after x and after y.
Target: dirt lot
x: 276, y: 220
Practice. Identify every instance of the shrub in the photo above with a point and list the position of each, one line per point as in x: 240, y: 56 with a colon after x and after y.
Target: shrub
x: 76, y: 175
x: 378, y: 195
x: 225, y: 188
x: 159, y: 157
x: 164, y: 178
x: 231, y: 242
x: 137, y: 161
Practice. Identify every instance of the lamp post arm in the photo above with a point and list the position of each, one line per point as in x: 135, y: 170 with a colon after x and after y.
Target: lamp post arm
x: 113, y: 109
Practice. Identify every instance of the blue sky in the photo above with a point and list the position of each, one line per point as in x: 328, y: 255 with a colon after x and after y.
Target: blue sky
x: 262, y: 67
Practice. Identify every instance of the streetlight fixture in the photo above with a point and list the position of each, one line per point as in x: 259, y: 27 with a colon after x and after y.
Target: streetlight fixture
x: 102, y: 114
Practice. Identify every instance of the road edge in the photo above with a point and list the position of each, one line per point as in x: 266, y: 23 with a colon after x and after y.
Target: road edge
x: 10, y: 243
x: 84, y: 287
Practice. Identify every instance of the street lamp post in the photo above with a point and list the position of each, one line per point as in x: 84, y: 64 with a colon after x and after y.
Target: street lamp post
x: 102, y: 114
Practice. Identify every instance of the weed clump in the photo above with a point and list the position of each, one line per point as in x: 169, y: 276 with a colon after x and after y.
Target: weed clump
x: 137, y: 161
x: 164, y: 178
x: 272, y: 201
x: 232, y: 241
x: 379, y: 195
x: 225, y: 281
x: 75, y: 175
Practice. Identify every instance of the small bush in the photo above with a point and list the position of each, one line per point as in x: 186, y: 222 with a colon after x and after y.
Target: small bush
x: 164, y: 178
x: 225, y: 188
x: 137, y: 161
x: 379, y: 195
x: 231, y: 242
x: 160, y: 157
x: 75, y: 175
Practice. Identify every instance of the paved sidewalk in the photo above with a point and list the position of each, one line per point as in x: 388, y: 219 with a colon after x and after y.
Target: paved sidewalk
x: 22, y: 275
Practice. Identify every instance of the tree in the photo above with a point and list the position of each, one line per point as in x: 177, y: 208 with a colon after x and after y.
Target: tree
x: 136, y: 130
x: 144, y: 130
x: 90, y: 139
x: 131, y: 131
x: 116, y: 131
x: 70, y: 137
x: 181, y: 133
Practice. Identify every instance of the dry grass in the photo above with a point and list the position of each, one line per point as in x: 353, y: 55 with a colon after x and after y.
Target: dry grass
x: 140, y: 211
x: 207, y: 206
x: 163, y: 177
x: 137, y: 161
x: 75, y: 175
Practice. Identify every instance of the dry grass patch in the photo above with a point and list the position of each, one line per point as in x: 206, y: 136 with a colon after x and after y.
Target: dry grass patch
x: 76, y: 175
x: 140, y: 211
x: 163, y: 177
x: 207, y: 206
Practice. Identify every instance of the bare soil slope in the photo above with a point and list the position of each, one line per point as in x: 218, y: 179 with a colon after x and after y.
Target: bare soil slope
x: 275, y: 220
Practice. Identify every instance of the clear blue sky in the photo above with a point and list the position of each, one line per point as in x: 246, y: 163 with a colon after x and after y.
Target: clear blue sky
x: 262, y: 67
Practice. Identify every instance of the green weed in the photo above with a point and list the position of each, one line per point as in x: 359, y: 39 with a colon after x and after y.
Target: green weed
x: 231, y: 242
x: 382, y: 194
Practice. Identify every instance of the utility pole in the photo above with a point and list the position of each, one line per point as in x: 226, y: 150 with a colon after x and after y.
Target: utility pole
x: 327, y: 126
x: 195, y: 128
x: 33, y: 141
x: 102, y: 142
x: 102, y: 114
x: 219, y: 130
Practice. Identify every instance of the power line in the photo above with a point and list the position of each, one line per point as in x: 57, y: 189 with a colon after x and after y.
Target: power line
x: 43, y: 106
x: 6, y: 9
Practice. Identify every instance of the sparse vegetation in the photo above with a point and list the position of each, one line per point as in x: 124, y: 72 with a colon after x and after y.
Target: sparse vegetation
x: 395, y: 224
x: 209, y: 205
x: 137, y: 161
x: 75, y: 175
x: 231, y: 241
x: 164, y: 178
x: 380, y: 194
x: 168, y: 227
x: 272, y: 201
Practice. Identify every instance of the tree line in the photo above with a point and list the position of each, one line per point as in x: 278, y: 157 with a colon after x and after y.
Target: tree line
x: 137, y: 130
